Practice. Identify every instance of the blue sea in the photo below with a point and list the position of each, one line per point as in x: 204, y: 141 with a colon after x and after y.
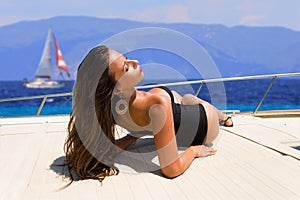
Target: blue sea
x: 240, y: 95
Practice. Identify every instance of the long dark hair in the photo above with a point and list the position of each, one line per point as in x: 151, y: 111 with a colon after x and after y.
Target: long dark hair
x: 90, y: 150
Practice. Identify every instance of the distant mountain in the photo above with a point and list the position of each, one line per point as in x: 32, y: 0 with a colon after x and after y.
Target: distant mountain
x: 237, y: 50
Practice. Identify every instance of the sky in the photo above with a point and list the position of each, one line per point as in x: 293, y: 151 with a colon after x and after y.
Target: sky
x: 227, y: 12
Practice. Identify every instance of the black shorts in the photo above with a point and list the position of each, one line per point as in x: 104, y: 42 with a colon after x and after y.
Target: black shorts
x: 190, y: 122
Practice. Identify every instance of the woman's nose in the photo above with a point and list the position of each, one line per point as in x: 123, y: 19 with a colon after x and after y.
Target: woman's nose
x: 134, y: 63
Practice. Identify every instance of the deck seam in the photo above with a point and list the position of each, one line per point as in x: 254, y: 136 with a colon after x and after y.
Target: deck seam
x: 266, y: 146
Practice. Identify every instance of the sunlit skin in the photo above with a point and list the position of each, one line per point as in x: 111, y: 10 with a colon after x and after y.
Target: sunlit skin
x: 153, y: 110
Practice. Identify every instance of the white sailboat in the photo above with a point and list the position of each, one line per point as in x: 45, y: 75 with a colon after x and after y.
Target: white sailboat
x: 43, y: 73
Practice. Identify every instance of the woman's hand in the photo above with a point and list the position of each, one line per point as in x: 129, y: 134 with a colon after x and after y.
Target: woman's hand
x: 204, y: 151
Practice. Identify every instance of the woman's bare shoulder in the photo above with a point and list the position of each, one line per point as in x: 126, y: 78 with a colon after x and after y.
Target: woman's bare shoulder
x: 155, y: 96
x: 143, y: 105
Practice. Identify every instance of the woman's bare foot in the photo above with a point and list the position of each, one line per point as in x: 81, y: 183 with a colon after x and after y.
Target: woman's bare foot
x: 227, y: 122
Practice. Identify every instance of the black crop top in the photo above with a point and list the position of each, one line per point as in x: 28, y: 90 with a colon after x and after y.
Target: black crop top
x: 190, y: 122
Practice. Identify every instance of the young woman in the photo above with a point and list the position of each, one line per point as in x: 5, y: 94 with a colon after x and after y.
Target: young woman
x: 174, y: 120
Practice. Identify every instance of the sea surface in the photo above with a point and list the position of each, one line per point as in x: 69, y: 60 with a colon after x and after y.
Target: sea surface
x: 240, y: 95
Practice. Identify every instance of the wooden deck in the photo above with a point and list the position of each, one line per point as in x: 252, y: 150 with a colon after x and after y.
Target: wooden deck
x: 253, y: 161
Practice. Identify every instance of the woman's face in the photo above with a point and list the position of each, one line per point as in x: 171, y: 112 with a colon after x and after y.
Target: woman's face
x: 126, y: 72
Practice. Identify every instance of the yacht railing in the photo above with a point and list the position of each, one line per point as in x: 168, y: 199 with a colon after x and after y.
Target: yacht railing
x: 44, y: 97
x: 273, y: 77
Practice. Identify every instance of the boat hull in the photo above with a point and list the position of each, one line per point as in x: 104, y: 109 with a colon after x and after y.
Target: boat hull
x: 44, y: 84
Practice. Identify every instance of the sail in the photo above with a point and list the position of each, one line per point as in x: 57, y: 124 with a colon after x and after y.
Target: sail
x: 44, y: 68
x: 60, y: 62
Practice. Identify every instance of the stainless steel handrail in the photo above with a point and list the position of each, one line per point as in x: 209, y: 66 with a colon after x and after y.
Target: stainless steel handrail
x: 200, y: 82
x: 265, y: 94
x: 220, y: 80
x: 44, y: 97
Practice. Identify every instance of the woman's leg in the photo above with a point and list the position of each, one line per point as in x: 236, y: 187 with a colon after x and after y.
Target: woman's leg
x: 177, y: 97
x: 190, y: 99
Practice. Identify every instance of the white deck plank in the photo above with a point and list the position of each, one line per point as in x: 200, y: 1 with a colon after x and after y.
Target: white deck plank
x: 226, y: 182
x: 219, y: 186
x: 122, y: 188
x: 106, y: 189
x: 135, y: 183
x: 41, y: 171
x: 87, y: 189
x: 187, y: 187
x: 138, y: 187
x: 18, y: 169
x: 277, y: 176
x: 155, y: 187
x: 17, y: 185
x: 267, y: 184
x: 71, y: 192
x: 173, y: 190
